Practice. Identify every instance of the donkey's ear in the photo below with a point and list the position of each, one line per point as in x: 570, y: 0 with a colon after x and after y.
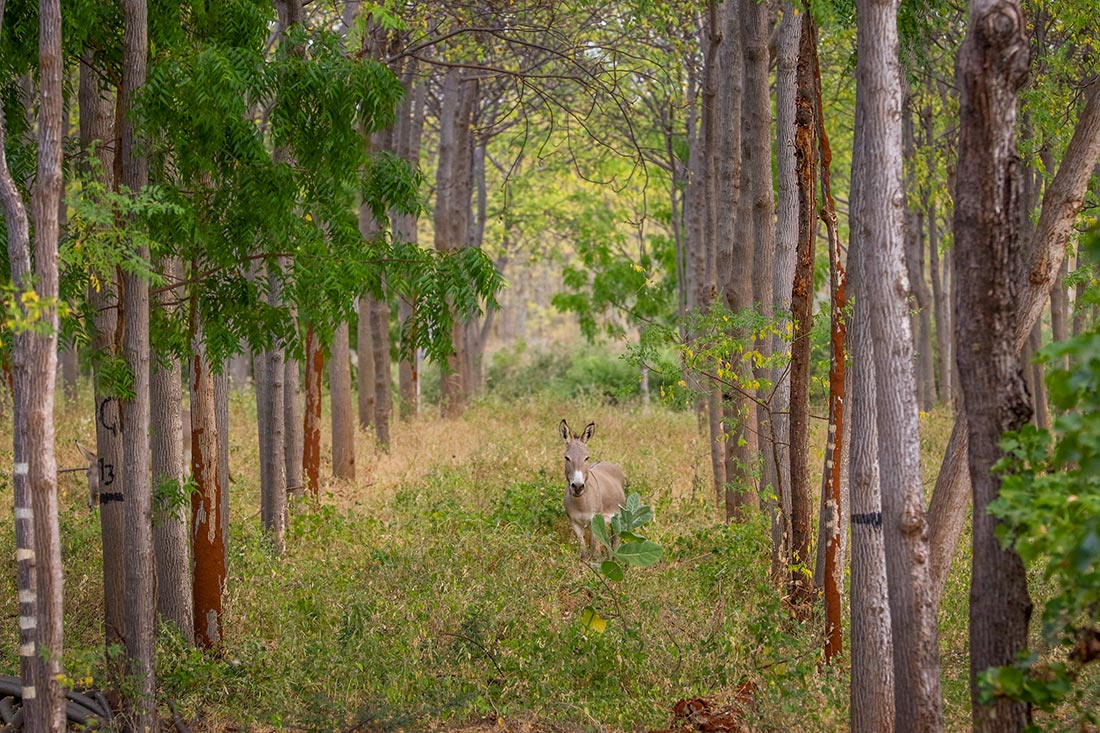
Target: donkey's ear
x: 564, y: 430
x: 589, y: 429
x: 89, y: 456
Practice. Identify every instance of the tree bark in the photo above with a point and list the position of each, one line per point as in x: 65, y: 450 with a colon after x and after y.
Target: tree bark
x: 365, y: 351
x: 454, y: 177
x: 734, y: 255
x: 311, y: 449
x: 34, y: 373
x: 170, y: 542
x: 885, y: 286
x: 383, y: 375
x: 758, y: 164
x: 343, y: 419
x: 134, y: 414
x: 992, y: 67
x: 292, y: 420
x: 872, y: 685
x: 1062, y: 202
x: 207, y: 529
x: 97, y: 122
x: 801, y: 581
x: 833, y: 503
x: 271, y: 412
x: 914, y: 263
x: 790, y: 30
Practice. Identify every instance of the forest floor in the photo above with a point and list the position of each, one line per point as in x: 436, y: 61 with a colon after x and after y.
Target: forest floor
x: 442, y: 590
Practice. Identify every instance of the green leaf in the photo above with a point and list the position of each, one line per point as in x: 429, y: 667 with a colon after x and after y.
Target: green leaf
x: 599, y: 531
x: 612, y: 570
x: 640, y: 554
x: 592, y: 620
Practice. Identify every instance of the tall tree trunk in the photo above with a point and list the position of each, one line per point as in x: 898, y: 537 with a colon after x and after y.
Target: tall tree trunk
x: 383, y: 375
x: 221, y: 427
x: 364, y: 348
x: 885, y: 285
x: 992, y: 67
x: 872, y: 686
x: 734, y: 262
x: 134, y: 413
x: 70, y: 372
x: 34, y: 373
x: 207, y: 530
x: 944, y: 349
x: 1061, y: 203
x: 292, y: 421
x: 170, y: 542
x: 271, y: 405
x: 410, y: 131
x: 801, y: 583
x: 96, y: 128
x: 343, y: 419
x: 833, y: 502
x: 758, y: 164
x: 914, y: 262
x: 454, y: 178
x: 786, y: 235
x: 311, y: 449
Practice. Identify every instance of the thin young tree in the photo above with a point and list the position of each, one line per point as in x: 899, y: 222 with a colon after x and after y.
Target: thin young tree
x: 800, y: 580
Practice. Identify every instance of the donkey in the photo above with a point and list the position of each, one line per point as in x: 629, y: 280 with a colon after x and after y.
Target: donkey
x: 590, y: 489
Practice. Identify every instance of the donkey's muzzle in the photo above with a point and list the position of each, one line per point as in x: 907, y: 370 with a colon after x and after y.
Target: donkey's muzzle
x: 576, y: 489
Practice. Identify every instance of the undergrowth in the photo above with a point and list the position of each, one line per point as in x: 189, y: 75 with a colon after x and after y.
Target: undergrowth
x: 444, y: 587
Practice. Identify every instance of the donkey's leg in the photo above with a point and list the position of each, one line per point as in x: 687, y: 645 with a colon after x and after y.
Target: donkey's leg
x: 578, y: 530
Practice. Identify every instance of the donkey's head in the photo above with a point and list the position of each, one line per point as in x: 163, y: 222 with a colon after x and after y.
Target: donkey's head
x: 576, y: 456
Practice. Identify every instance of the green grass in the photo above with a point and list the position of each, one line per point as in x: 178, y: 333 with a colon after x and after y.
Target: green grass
x: 443, y: 587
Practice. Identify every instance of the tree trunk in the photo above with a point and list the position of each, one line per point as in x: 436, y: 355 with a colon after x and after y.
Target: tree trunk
x: 992, y: 67
x: 383, y: 376
x: 96, y: 128
x: 311, y: 449
x: 221, y: 427
x: 207, y: 529
x: 365, y: 351
x: 292, y: 421
x: 70, y: 372
x: 944, y: 350
x: 270, y: 414
x: 758, y: 165
x: 170, y: 545
x: 786, y: 234
x: 1062, y: 202
x: 343, y: 416
x: 801, y: 582
x: 409, y: 133
x: 872, y: 684
x: 885, y: 286
x: 454, y: 176
x: 134, y: 414
x: 34, y: 374
x: 921, y: 305
x: 832, y: 481
x: 733, y: 262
